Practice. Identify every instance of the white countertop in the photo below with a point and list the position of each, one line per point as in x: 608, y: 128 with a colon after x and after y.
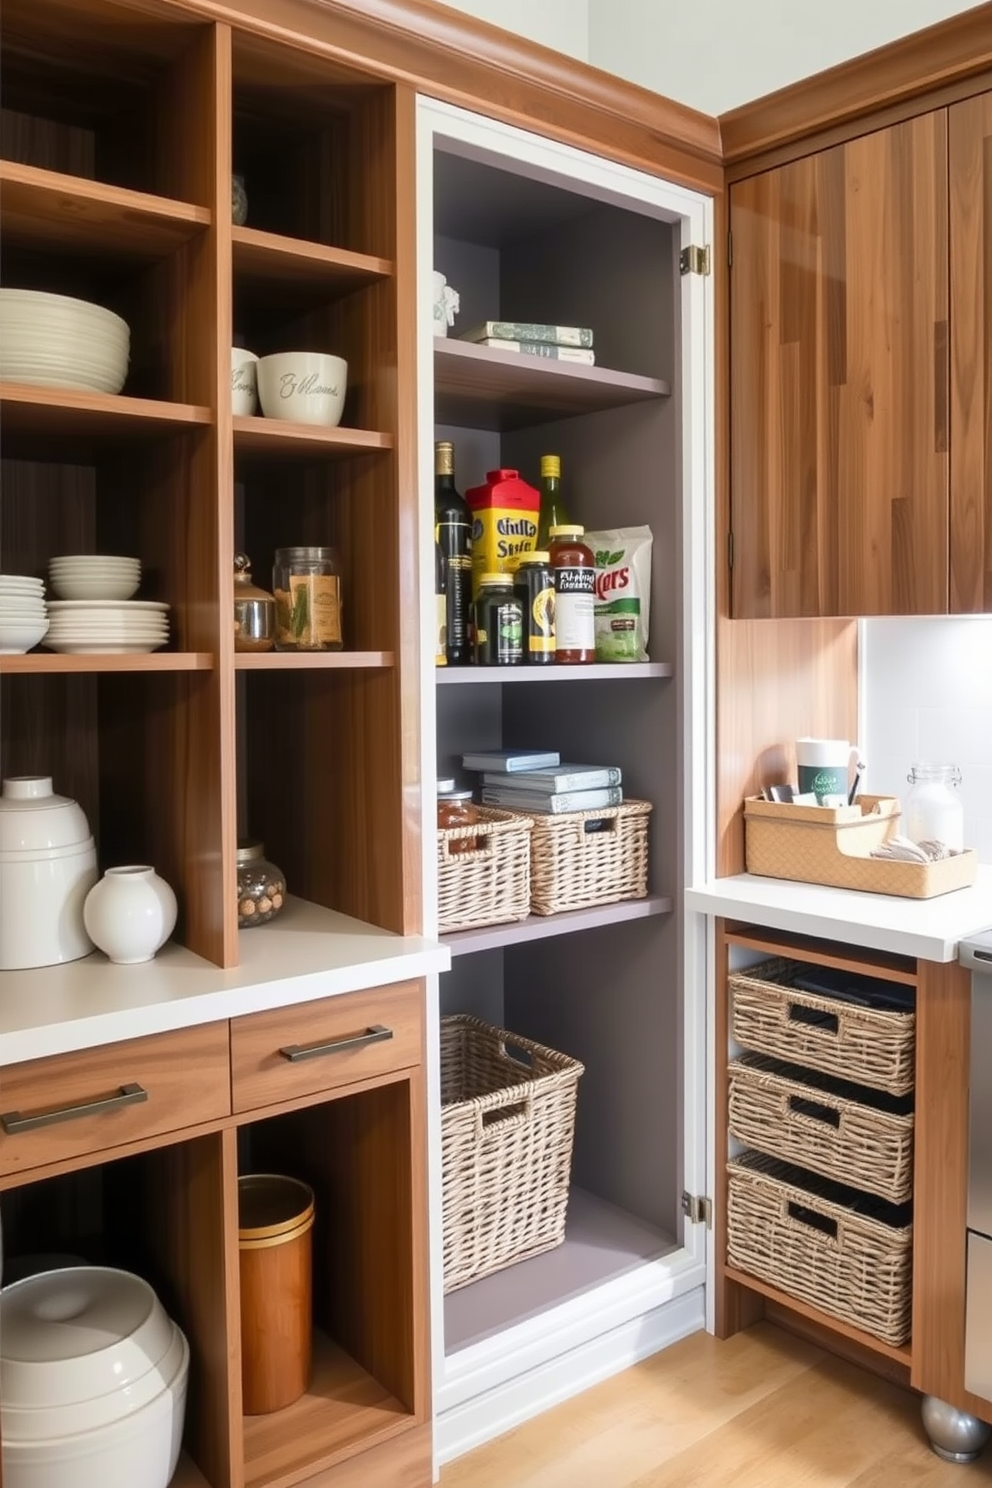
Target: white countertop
x: 927, y: 928
x: 307, y: 953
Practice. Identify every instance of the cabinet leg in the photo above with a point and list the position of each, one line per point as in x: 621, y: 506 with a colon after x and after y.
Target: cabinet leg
x: 954, y: 1434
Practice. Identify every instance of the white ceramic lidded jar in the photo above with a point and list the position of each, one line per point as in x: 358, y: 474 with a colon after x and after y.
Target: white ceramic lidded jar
x: 130, y: 913
x: 933, y: 807
x: 47, y: 867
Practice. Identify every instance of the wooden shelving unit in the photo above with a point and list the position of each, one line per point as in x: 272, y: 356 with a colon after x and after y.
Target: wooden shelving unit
x: 60, y: 412
x: 42, y: 208
x: 903, y: 1355
x: 297, y: 269
x: 542, y: 927
x: 49, y: 663
x: 301, y: 661
x: 281, y: 438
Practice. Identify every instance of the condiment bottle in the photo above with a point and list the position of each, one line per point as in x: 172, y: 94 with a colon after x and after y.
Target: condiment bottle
x: 455, y: 808
x: 534, y: 586
x: 307, y: 584
x: 933, y: 808
x: 254, y: 610
x: 552, y: 512
x: 498, y: 622
x: 573, y: 565
x: 453, y: 533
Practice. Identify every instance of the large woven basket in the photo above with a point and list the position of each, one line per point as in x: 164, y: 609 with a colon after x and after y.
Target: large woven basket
x: 846, y: 1132
x: 483, y: 872
x: 507, y: 1123
x: 828, y: 1245
x: 583, y: 858
x: 869, y: 1046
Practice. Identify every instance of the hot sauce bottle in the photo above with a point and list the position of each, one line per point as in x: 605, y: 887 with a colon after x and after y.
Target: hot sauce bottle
x: 573, y: 566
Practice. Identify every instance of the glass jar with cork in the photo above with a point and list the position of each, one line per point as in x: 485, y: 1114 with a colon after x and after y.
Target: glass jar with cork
x: 307, y: 585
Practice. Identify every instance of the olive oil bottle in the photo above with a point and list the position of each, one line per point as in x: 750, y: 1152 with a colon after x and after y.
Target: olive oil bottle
x: 552, y: 512
x: 453, y: 532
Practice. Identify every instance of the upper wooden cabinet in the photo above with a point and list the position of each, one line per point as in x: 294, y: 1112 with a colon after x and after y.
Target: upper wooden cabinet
x: 839, y: 379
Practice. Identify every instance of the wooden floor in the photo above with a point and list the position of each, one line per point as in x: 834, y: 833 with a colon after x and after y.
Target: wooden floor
x: 762, y: 1410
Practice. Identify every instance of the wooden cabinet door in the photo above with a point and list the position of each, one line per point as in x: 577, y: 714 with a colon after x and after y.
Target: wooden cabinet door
x: 839, y: 381
x: 970, y: 191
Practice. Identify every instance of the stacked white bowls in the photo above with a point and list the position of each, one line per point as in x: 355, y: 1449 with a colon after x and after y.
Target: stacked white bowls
x: 93, y: 1377
x: 305, y: 387
x: 47, y: 868
x: 23, y: 617
x: 94, y: 576
x: 53, y: 340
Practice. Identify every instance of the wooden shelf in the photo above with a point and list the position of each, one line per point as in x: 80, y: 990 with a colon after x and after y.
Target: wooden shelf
x: 541, y: 927
x: 40, y: 208
x: 902, y: 1355
x: 44, y: 663
x: 281, y: 661
x: 343, y: 1411
x: 599, y: 672
x: 278, y: 437
x: 63, y: 412
x: 482, y: 388
x: 297, y: 269
x: 188, y: 1475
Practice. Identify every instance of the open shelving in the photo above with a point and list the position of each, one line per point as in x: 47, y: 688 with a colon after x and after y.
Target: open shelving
x: 596, y: 672
x: 44, y: 206
x: 541, y: 927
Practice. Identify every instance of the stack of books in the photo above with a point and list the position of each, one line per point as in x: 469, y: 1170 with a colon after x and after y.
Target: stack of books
x: 531, y: 338
x: 532, y: 781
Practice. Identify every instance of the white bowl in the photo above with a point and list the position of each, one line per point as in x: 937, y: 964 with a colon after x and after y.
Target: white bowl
x: 305, y: 387
x: 19, y: 635
x: 71, y: 587
x: 52, y: 340
x: 244, y: 383
x: 93, y: 560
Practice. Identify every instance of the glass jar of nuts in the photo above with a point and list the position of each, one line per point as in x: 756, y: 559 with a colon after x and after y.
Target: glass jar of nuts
x: 261, y: 886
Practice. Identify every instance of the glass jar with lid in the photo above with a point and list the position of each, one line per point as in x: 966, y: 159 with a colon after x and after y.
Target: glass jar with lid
x: 254, y: 610
x: 307, y: 584
x: 934, y: 812
x: 261, y: 886
x: 455, y: 808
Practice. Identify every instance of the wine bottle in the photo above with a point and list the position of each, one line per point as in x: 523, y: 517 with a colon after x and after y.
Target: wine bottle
x: 453, y: 525
x: 440, y: 605
x: 552, y: 512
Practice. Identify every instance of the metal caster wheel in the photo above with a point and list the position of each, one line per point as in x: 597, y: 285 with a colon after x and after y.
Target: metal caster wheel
x: 954, y: 1435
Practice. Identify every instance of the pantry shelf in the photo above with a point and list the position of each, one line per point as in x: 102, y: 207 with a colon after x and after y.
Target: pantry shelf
x: 597, y: 672
x: 295, y: 267
x: 63, y: 411
x: 42, y: 208
x: 279, y: 661
x: 40, y: 663
x: 279, y: 437
x: 541, y: 927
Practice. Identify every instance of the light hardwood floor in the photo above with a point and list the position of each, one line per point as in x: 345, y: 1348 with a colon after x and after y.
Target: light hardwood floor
x: 763, y: 1410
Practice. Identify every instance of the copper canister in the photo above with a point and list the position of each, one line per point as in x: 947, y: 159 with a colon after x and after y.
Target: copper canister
x: 275, y: 1224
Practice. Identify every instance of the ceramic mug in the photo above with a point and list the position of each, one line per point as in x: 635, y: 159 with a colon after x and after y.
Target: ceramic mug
x: 244, y: 384
x: 823, y: 767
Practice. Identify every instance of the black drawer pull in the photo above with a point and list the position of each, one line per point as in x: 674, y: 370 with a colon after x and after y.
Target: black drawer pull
x: 127, y: 1095
x: 374, y: 1035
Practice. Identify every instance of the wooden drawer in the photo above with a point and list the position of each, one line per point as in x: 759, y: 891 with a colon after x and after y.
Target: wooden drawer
x: 286, y: 1053
x: 56, y: 1109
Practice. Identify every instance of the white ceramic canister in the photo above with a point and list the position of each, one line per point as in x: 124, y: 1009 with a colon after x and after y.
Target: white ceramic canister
x: 130, y: 913
x: 47, y: 867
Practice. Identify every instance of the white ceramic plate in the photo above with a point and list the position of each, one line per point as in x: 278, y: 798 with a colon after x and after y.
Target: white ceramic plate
x: 126, y: 605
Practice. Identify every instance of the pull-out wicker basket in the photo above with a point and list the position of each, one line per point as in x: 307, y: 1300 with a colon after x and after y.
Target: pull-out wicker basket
x: 507, y: 1123
x: 583, y: 858
x: 483, y: 871
x: 871, y: 1046
x: 843, y: 1131
x: 839, y: 1250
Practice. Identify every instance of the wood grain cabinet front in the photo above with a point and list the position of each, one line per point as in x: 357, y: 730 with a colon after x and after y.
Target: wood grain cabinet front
x: 288, y: 1054
x: 73, y: 1106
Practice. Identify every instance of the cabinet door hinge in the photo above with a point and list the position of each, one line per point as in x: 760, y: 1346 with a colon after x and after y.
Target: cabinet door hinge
x: 695, y: 260
x: 730, y: 550
x: 697, y: 1210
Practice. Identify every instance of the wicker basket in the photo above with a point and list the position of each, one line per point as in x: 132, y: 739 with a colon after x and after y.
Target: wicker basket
x: 832, y: 1127
x: 487, y: 883
x: 507, y: 1122
x: 840, y: 1251
x: 874, y: 1047
x: 583, y: 858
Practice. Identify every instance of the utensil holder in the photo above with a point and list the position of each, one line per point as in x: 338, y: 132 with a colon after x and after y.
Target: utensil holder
x: 275, y: 1221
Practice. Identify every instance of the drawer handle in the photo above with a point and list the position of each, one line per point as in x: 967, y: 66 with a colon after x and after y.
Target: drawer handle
x: 128, y: 1095
x: 374, y: 1035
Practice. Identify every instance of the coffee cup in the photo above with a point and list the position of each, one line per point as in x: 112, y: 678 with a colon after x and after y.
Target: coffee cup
x: 823, y: 767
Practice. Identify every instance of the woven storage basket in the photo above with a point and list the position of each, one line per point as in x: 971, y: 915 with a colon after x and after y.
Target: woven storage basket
x: 489, y: 883
x: 841, y: 1251
x: 589, y: 857
x: 874, y: 1047
x: 507, y: 1122
x: 843, y: 1131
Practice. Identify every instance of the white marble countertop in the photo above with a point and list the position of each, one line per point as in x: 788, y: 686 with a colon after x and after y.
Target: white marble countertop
x: 307, y: 953
x: 927, y: 928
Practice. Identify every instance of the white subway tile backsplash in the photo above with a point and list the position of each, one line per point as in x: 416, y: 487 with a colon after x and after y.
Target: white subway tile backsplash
x: 926, y: 694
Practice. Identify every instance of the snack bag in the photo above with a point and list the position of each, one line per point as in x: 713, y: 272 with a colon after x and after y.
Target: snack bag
x: 623, y: 592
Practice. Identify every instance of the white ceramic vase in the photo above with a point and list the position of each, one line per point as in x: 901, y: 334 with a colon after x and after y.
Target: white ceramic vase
x: 130, y: 913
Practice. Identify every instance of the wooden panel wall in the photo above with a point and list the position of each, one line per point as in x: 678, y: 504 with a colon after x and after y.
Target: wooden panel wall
x: 839, y: 461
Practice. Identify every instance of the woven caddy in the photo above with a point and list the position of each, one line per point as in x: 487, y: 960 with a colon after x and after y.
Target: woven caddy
x: 874, y: 1047
x: 829, y: 1126
x: 573, y: 866
x: 489, y: 883
x: 799, y: 1232
x: 507, y: 1123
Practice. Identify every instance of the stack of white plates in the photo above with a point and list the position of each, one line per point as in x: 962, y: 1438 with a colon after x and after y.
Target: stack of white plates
x: 23, y: 618
x: 52, y: 340
x: 94, y: 576
x: 108, y: 626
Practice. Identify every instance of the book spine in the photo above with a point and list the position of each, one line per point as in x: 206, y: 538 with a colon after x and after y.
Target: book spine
x: 543, y: 349
x: 529, y: 330
x: 553, y: 805
x: 551, y: 785
x: 503, y: 766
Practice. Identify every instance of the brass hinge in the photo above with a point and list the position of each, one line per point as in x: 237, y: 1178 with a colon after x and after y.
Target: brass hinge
x: 695, y: 260
x: 730, y: 550
x: 697, y: 1210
